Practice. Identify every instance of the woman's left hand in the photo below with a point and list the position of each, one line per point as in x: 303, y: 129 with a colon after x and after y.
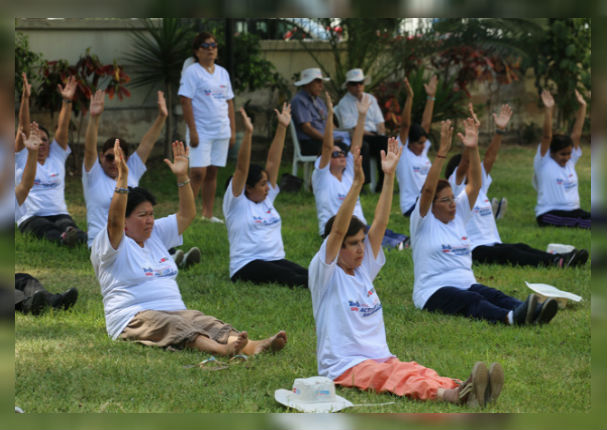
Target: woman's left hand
x: 180, y: 163
x: 470, y: 139
x: 69, y: 90
x: 284, y: 117
x: 162, y: 105
x: 389, y: 161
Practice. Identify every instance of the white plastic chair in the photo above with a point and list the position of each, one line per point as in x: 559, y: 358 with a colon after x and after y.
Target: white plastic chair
x: 298, y: 158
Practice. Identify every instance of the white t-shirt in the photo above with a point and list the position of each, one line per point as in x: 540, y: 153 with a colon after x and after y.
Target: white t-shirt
x: 481, y: 228
x: 209, y: 94
x: 99, y: 189
x: 135, y: 279
x: 441, y: 252
x: 557, y: 187
x: 330, y: 192
x: 253, y: 229
x: 347, y: 113
x: 347, y: 311
x: 47, y: 196
x: 411, y: 173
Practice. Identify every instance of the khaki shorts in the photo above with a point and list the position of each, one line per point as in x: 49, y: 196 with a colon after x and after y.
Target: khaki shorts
x: 175, y: 328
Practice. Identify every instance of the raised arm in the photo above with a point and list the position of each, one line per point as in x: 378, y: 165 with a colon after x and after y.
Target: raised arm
x: 149, y: 139
x: 389, y: 162
x: 232, y: 118
x: 327, y: 139
x: 244, y: 157
x: 430, y: 88
x: 405, y: 124
x: 470, y: 142
x: 117, y: 212
x: 464, y: 163
x: 67, y: 96
x: 188, y: 117
x: 344, y: 214
x: 576, y: 132
x: 179, y: 167
x: 32, y: 143
x: 501, y: 121
x: 90, y: 138
x: 359, y: 130
x: 548, y: 101
x: 278, y: 143
x: 429, y: 187
x: 24, y: 114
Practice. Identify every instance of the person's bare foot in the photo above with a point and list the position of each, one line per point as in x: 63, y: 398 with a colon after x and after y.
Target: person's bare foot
x: 273, y: 344
x: 235, y: 346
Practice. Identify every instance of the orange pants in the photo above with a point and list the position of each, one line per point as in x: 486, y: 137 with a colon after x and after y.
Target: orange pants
x: 401, y: 378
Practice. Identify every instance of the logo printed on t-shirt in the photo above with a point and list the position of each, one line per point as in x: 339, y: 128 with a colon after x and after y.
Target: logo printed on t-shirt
x: 456, y: 250
x: 364, y: 309
x: 162, y: 272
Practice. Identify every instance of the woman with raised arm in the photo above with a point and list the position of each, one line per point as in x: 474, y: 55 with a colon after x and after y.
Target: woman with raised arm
x: 556, y: 182
x: 44, y: 213
x: 256, y: 250
x: 487, y: 246
x: 444, y: 281
x: 351, y: 343
x: 141, y: 297
x: 414, y: 164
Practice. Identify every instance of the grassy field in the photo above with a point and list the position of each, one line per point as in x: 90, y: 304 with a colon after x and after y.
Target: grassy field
x: 65, y: 362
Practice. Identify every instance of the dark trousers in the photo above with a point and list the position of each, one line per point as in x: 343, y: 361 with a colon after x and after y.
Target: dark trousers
x: 50, y: 227
x: 280, y: 271
x: 575, y: 218
x: 512, y: 253
x: 478, y: 301
x: 375, y: 143
x: 25, y: 287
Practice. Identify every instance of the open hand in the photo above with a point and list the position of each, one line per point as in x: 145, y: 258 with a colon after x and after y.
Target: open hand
x: 363, y: 105
x: 27, y: 87
x: 446, y: 137
x: 69, y: 90
x: 547, y: 99
x: 501, y: 120
x: 162, y: 105
x: 473, y: 115
x: 181, y: 161
x: 359, y: 175
x: 389, y: 161
x: 97, y: 103
x: 579, y: 98
x: 284, y: 117
x: 248, y: 125
x: 32, y: 143
x: 470, y: 139
x: 430, y: 87
x: 120, y: 161
x: 328, y: 102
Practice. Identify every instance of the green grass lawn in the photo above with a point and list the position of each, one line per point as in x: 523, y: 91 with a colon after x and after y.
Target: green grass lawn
x: 65, y: 362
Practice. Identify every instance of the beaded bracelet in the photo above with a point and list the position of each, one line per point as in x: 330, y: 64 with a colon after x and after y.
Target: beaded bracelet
x: 121, y: 190
x: 184, y: 183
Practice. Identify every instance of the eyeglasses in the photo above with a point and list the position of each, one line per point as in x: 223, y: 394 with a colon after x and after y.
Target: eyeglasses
x: 337, y: 154
x: 208, y: 45
x: 355, y: 84
x: 447, y: 200
x: 109, y: 157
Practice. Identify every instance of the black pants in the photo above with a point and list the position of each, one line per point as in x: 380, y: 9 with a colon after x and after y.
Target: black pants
x: 25, y: 287
x: 478, y: 301
x: 512, y: 253
x: 50, y: 227
x: 575, y: 218
x: 280, y: 271
x: 375, y: 143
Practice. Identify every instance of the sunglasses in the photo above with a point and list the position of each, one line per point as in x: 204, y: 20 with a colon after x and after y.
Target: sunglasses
x: 355, y: 84
x: 337, y: 154
x: 208, y: 45
x: 109, y: 157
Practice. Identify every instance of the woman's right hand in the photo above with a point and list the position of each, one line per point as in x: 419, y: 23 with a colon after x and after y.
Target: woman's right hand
x: 446, y: 135
x: 359, y: 175
x: 97, y: 103
x: 248, y: 125
x: 547, y: 99
x: 470, y: 139
x: 363, y: 105
x: 120, y: 162
x: 32, y: 143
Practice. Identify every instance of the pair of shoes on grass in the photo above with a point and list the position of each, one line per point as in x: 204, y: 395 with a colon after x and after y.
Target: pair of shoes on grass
x: 499, y: 207
x: 532, y: 312
x: 212, y: 220
x: 183, y: 260
x: 577, y: 257
x: 483, y: 386
x: 69, y: 237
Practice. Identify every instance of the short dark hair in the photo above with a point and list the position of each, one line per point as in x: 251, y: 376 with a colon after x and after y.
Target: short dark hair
x: 43, y: 128
x: 110, y: 144
x: 452, y: 164
x: 136, y: 196
x: 355, y: 226
x: 254, y: 176
x: 416, y: 132
x: 441, y: 185
x: 560, y: 141
x: 199, y: 39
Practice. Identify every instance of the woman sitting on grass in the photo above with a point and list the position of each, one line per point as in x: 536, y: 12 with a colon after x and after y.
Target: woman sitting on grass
x: 141, y: 297
x: 558, y: 198
x: 442, y: 261
x: 351, y: 340
x: 256, y: 250
x: 487, y: 246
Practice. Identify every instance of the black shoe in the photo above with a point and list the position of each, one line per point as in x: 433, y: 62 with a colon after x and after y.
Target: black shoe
x: 37, y: 304
x: 526, y: 311
x: 577, y: 257
x: 547, y: 312
x: 66, y: 300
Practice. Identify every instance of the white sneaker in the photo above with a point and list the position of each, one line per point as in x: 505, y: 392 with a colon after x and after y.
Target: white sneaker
x: 494, y: 206
x: 213, y: 219
x: 178, y: 256
x: 193, y: 256
x: 501, y: 208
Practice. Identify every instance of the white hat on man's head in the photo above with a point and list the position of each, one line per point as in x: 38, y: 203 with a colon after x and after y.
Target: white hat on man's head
x: 355, y: 75
x: 308, y: 75
x: 315, y: 394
